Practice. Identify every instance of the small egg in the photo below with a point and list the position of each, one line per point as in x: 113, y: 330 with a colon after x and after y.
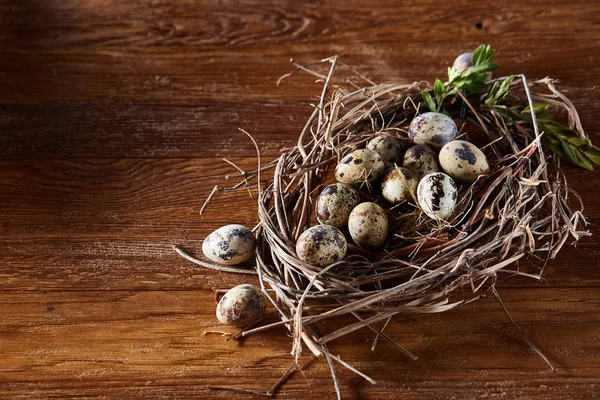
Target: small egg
x: 463, y: 161
x: 368, y: 225
x: 399, y: 185
x: 465, y: 61
x: 388, y: 149
x: 420, y: 160
x: 437, y: 194
x: 321, y: 245
x: 335, y: 203
x: 432, y: 128
x: 242, y: 305
x: 359, y: 166
x: 229, y: 245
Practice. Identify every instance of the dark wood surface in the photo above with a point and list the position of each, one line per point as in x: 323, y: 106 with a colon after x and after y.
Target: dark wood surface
x: 114, y: 117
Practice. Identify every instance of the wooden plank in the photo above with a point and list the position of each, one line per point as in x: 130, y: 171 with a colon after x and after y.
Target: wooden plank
x: 147, y: 343
x: 114, y: 117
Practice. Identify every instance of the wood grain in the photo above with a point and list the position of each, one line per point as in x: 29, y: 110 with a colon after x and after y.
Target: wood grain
x: 114, y: 119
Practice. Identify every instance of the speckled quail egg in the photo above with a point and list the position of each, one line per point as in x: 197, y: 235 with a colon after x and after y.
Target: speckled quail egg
x: 432, y: 128
x: 388, y: 149
x: 437, y: 194
x: 368, y: 225
x: 229, y: 245
x: 359, y: 166
x: 399, y: 185
x: 420, y: 160
x: 463, y: 161
x: 242, y: 305
x: 335, y: 203
x: 321, y: 245
x: 465, y: 61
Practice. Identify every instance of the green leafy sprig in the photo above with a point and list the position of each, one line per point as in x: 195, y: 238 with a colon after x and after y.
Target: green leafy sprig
x: 559, y: 138
x: 469, y: 80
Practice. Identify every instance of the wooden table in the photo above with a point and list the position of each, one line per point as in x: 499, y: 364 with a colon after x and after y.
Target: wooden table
x: 114, y: 118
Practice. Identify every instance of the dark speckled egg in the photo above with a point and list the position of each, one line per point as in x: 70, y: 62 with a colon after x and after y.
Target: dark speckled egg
x: 321, y: 245
x: 359, y: 166
x: 229, y: 245
x: 432, y: 128
x: 420, y: 160
x: 335, y: 203
x: 388, y: 149
x: 463, y: 161
x: 437, y: 195
x: 242, y: 306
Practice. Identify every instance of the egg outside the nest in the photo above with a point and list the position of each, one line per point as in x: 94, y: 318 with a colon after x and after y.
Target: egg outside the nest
x: 335, y: 203
x: 321, y: 245
x: 362, y: 165
x: 368, y: 225
x: 437, y: 195
x: 463, y: 161
x: 229, y: 245
x: 242, y: 306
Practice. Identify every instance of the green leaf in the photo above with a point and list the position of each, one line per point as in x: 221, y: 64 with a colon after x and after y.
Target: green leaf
x: 498, y: 92
x: 578, y: 142
x: 569, y: 151
x: 428, y: 101
x: 479, y: 54
x: 537, y: 107
x: 453, y: 73
x: 593, y: 155
x: 576, y: 156
x: 438, y: 88
x: 554, y: 145
x: 584, y: 161
x: 505, y: 85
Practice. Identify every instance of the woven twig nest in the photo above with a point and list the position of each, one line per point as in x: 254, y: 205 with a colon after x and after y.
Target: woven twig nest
x: 521, y: 209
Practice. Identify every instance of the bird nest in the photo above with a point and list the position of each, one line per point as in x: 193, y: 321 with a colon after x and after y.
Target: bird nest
x: 521, y: 210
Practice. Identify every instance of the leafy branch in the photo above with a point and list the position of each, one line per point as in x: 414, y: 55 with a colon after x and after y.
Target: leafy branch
x: 470, y: 80
x: 559, y: 138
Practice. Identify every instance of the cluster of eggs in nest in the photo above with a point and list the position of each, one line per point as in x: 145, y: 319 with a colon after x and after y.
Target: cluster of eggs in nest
x: 422, y: 176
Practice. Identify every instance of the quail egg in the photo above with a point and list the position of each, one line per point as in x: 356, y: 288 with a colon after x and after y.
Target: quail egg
x: 399, y: 185
x: 388, y: 149
x: 321, y: 245
x: 359, y: 166
x: 420, y: 160
x: 463, y: 161
x: 229, y: 245
x: 464, y: 62
x: 242, y: 305
x: 432, y: 128
x: 335, y: 203
x: 368, y: 225
x: 437, y: 194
